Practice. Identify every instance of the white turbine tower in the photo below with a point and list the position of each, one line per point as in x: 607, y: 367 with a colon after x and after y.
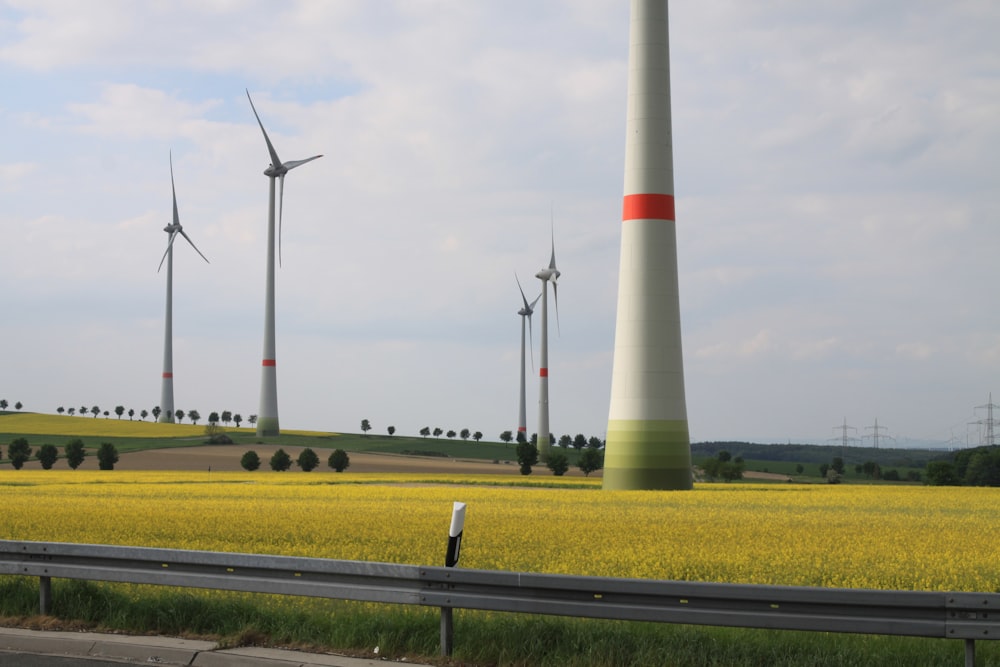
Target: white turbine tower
x: 525, y: 313
x: 173, y: 229
x: 547, y: 275
x: 267, y: 416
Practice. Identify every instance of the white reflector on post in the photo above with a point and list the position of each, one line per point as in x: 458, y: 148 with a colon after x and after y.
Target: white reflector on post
x: 455, y: 534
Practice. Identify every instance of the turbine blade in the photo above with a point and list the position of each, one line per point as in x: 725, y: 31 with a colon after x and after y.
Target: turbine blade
x: 292, y: 164
x: 173, y: 190
x: 555, y: 294
x: 523, y: 298
x: 188, y: 238
x: 531, y: 346
x: 170, y: 244
x: 275, y: 160
x: 532, y: 306
x: 281, y: 207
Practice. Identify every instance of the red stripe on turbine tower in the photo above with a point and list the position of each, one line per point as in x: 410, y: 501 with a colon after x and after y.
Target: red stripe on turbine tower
x: 269, y: 362
x: 168, y: 376
x: 648, y: 207
x: 543, y: 372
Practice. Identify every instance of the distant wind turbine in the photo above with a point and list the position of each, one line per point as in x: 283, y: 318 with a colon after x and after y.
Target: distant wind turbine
x: 267, y: 416
x: 173, y: 229
x: 547, y: 275
x: 525, y: 313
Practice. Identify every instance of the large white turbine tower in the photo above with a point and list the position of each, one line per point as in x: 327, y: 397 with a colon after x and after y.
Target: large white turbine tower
x: 546, y: 275
x: 525, y: 313
x: 267, y: 415
x: 173, y: 229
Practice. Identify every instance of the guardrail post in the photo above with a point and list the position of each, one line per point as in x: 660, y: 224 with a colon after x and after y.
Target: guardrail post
x: 44, y: 595
x: 450, y: 560
x: 970, y: 653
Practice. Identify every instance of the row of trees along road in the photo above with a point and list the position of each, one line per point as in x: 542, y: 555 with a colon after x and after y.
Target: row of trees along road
x: 19, y: 452
x: 308, y: 460
x: 213, y: 418
x: 3, y: 404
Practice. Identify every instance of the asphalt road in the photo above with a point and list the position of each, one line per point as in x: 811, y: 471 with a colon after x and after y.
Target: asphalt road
x: 29, y: 660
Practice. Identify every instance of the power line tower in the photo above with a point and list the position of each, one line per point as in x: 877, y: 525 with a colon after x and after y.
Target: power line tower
x: 844, y: 438
x: 986, y: 435
x: 876, y: 433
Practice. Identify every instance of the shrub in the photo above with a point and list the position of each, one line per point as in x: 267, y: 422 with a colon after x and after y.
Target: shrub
x: 558, y: 462
x: 339, y: 460
x: 307, y: 460
x: 281, y: 461
x: 107, y: 456
x: 47, y: 455
x: 250, y: 461
x: 527, y: 456
x: 590, y: 460
x: 75, y: 453
x: 18, y: 451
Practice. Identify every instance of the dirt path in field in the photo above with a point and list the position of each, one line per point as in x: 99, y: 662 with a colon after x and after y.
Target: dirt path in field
x: 224, y: 458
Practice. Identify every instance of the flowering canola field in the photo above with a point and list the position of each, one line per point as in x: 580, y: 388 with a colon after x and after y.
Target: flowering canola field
x: 890, y: 537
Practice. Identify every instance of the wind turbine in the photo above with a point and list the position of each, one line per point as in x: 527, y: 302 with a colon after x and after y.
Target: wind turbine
x: 547, y: 275
x: 525, y: 313
x: 267, y: 416
x: 173, y: 229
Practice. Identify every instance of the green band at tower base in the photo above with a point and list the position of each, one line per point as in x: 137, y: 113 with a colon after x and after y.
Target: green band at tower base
x: 267, y: 427
x: 651, y: 455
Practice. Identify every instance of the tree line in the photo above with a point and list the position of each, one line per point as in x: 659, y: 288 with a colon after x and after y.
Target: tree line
x: 19, y: 452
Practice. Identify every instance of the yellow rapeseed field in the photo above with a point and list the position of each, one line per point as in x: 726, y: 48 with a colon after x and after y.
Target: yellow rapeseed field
x: 891, y: 537
x: 30, y: 423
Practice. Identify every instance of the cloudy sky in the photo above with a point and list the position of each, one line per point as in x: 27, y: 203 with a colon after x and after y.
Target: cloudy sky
x: 836, y: 168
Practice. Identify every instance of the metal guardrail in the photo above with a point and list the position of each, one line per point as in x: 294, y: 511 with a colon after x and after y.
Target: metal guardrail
x: 966, y: 616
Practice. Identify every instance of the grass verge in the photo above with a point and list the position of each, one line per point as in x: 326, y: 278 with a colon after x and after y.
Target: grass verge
x: 481, y: 638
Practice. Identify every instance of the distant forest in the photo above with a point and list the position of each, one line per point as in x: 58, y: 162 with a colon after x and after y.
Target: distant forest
x: 817, y: 454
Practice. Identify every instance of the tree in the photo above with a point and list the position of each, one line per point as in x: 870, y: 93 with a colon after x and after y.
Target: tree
x: 506, y: 437
x: 723, y: 466
x: 281, y: 461
x: 558, y: 462
x: 107, y: 456
x: 237, y: 418
x: 131, y: 413
x: 95, y: 411
x: 156, y: 412
x: 194, y: 416
x: 227, y: 417
x: 871, y: 470
x: 464, y: 434
x: 838, y: 465
x: 307, y: 460
x: 594, y: 442
x: 425, y: 431
x: 365, y: 426
x: 3, y: 403
x: 213, y: 417
x: 252, y: 419
x: 942, y: 473
x: 339, y: 460
x: 250, y: 461
x: 83, y: 410
x: 565, y: 440
x: 47, y: 455
x: 477, y: 436
x: 579, y: 441
x: 823, y: 468
x: 391, y: 430
x: 591, y: 459
x: 71, y: 411
x: 450, y: 434
x: 437, y: 432
x: 119, y: 410
x: 60, y: 409
x: 799, y: 468
x: 106, y: 414
x: 527, y: 456
x: 75, y: 453
x: 18, y: 405
x: 143, y: 414
x: 18, y: 451
x: 180, y: 415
